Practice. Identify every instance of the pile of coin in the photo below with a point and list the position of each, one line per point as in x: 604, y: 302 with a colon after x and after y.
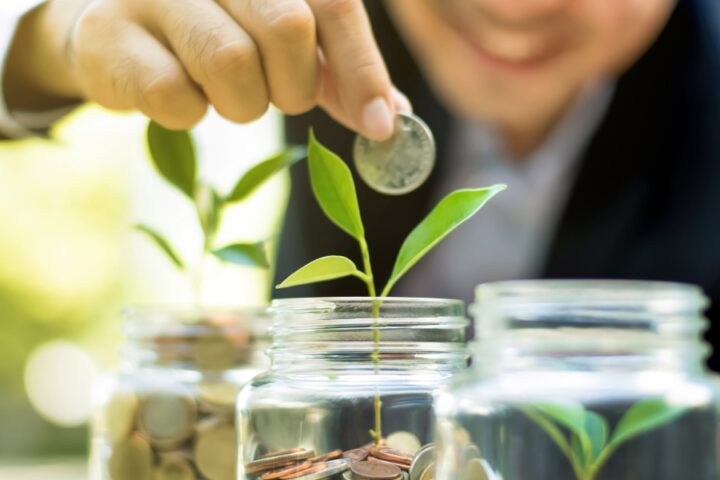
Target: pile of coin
x: 398, y: 457
x: 178, y: 433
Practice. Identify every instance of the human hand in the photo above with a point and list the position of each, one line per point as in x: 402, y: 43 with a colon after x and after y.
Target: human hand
x: 171, y: 58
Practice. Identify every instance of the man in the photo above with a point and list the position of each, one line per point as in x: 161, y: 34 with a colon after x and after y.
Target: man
x: 601, y: 115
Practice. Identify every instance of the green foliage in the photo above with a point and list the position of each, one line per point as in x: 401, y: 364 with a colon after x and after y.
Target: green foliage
x: 447, y: 215
x: 173, y: 154
x: 323, y: 269
x: 261, y: 172
x: 250, y: 254
x: 334, y: 190
x: 163, y: 244
x: 582, y: 435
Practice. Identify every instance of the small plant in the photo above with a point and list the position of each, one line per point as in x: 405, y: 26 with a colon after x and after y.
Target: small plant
x: 584, y: 436
x: 334, y: 189
x: 173, y: 154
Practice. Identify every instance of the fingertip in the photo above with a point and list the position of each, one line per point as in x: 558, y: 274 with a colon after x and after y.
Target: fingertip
x: 401, y: 103
x: 377, y: 120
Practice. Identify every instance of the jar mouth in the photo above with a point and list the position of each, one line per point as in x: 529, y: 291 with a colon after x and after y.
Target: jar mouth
x: 205, y: 338
x: 347, y: 313
x: 143, y: 322
x: 621, y: 296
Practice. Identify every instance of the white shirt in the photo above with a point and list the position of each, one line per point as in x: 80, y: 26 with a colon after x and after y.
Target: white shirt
x: 508, y: 239
x: 19, y: 124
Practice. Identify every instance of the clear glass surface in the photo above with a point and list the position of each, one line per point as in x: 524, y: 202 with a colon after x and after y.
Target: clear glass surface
x: 168, y: 412
x: 322, y: 390
x: 583, y: 381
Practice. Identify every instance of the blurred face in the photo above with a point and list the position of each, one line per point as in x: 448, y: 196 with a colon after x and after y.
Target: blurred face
x: 519, y: 62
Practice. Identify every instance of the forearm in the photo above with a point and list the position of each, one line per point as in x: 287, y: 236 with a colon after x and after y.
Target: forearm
x: 37, y: 70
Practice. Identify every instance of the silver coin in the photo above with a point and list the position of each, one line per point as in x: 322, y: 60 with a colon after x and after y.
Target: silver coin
x: 400, y: 164
x: 421, y: 461
x: 333, y: 467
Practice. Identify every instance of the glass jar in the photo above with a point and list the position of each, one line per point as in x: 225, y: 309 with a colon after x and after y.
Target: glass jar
x: 169, y: 411
x: 583, y: 380
x: 336, y: 363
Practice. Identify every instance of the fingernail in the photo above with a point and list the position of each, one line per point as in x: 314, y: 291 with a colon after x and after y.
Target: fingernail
x: 377, y: 120
x: 401, y: 102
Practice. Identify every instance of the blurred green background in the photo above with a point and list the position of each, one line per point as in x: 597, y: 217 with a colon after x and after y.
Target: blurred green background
x: 69, y: 262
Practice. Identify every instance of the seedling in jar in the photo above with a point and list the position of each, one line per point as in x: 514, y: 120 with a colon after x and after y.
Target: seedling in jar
x: 334, y: 189
x: 173, y: 154
x: 584, y: 437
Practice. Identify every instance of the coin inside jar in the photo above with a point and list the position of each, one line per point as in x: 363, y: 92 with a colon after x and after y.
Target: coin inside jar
x: 375, y: 471
x: 400, y: 164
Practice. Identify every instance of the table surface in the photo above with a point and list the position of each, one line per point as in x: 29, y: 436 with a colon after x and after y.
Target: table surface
x: 44, y: 469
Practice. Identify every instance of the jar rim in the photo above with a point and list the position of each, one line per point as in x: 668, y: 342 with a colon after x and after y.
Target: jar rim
x: 664, y: 297
x: 149, y: 321
x: 292, y: 316
x: 326, y: 304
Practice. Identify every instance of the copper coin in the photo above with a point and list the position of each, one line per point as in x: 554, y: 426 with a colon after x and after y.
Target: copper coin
x: 282, y: 472
x: 375, y: 471
x: 391, y: 455
x: 283, y: 452
x: 314, y: 468
x: 357, y: 454
x: 403, y: 466
x: 277, y: 460
x: 330, y: 469
x: 327, y: 456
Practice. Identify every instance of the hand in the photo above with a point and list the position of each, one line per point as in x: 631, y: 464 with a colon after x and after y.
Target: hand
x: 171, y: 58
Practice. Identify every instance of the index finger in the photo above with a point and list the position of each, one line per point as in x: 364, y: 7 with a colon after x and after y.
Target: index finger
x: 363, y: 95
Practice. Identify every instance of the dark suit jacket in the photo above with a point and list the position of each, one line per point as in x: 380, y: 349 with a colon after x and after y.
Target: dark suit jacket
x: 646, y: 201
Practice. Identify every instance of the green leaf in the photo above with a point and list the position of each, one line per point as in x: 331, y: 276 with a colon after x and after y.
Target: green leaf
x: 208, y: 203
x: 642, y: 417
x: 590, y: 445
x: 162, y: 243
x: 322, y: 269
x: 261, y: 172
x: 550, y: 428
x: 570, y: 415
x: 597, y: 431
x: 250, y: 254
x: 334, y: 188
x: 173, y: 154
x: 447, y: 215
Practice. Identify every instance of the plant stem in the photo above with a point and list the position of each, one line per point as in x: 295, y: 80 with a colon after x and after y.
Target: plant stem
x: 375, y: 356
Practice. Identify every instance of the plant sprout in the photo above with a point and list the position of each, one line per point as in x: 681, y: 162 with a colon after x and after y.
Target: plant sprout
x: 584, y: 436
x: 173, y: 154
x: 334, y: 189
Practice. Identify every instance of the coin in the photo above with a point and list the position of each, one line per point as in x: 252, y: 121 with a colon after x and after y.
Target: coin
x: 217, y: 397
x: 421, y: 461
x: 167, y: 418
x: 328, y: 456
x: 118, y: 417
x: 391, y: 455
x: 131, y: 459
x: 276, y: 460
x: 215, y: 452
x: 323, y: 470
x: 286, y: 471
x: 475, y: 470
x: 283, y: 452
x: 428, y: 473
x: 174, y: 467
x: 404, y: 441
x: 402, y: 466
x: 469, y: 452
x: 375, y: 471
x: 357, y: 454
x: 400, y: 164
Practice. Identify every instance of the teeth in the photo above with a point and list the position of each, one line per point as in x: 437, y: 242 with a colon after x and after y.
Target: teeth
x: 511, y: 50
